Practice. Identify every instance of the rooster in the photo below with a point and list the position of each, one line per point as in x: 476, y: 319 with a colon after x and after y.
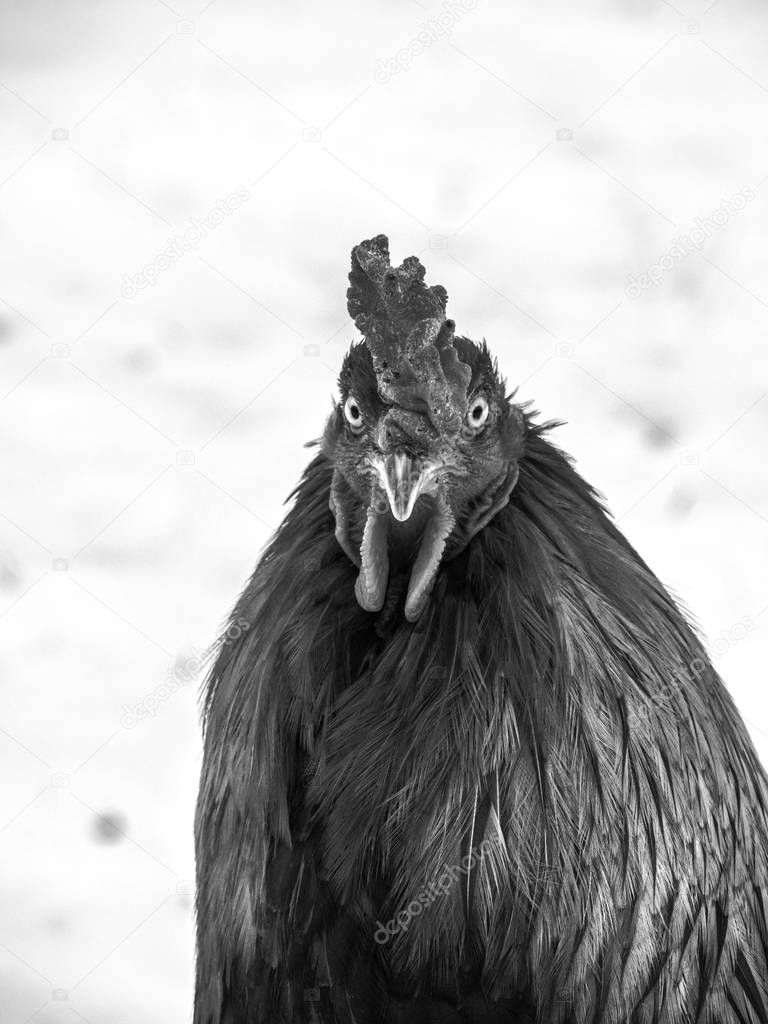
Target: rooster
x: 465, y: 760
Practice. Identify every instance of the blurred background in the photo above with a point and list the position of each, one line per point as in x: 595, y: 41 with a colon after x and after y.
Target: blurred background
x: 180, y: 186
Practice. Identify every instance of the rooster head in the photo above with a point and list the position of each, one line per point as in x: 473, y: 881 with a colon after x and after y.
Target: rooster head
x: 424, y: 441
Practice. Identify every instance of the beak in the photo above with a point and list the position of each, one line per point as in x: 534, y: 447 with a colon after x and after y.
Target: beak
x: 403, y: 480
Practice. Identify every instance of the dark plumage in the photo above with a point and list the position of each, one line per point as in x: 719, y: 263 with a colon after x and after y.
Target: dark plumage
x: 525, y: 762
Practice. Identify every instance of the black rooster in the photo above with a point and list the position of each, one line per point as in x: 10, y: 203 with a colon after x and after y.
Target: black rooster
x: 467, y: 761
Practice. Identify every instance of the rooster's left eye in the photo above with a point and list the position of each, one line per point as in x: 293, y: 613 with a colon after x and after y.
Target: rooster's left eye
x: 353, y: 415
x: 477, y: 413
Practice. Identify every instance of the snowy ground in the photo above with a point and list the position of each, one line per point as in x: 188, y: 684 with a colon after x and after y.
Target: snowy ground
x: 534, y: 159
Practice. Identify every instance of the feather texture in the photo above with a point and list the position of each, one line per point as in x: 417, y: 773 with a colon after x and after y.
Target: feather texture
x: 551, y: 721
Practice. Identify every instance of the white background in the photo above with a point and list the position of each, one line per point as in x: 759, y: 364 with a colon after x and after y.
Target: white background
x: 149, y: 441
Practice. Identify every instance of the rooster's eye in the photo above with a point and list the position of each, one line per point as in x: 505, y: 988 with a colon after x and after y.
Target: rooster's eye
x: 477, y: 413
x: 353, y: 414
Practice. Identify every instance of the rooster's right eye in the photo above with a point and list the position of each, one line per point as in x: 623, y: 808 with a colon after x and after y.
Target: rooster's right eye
x: 353, y: 415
